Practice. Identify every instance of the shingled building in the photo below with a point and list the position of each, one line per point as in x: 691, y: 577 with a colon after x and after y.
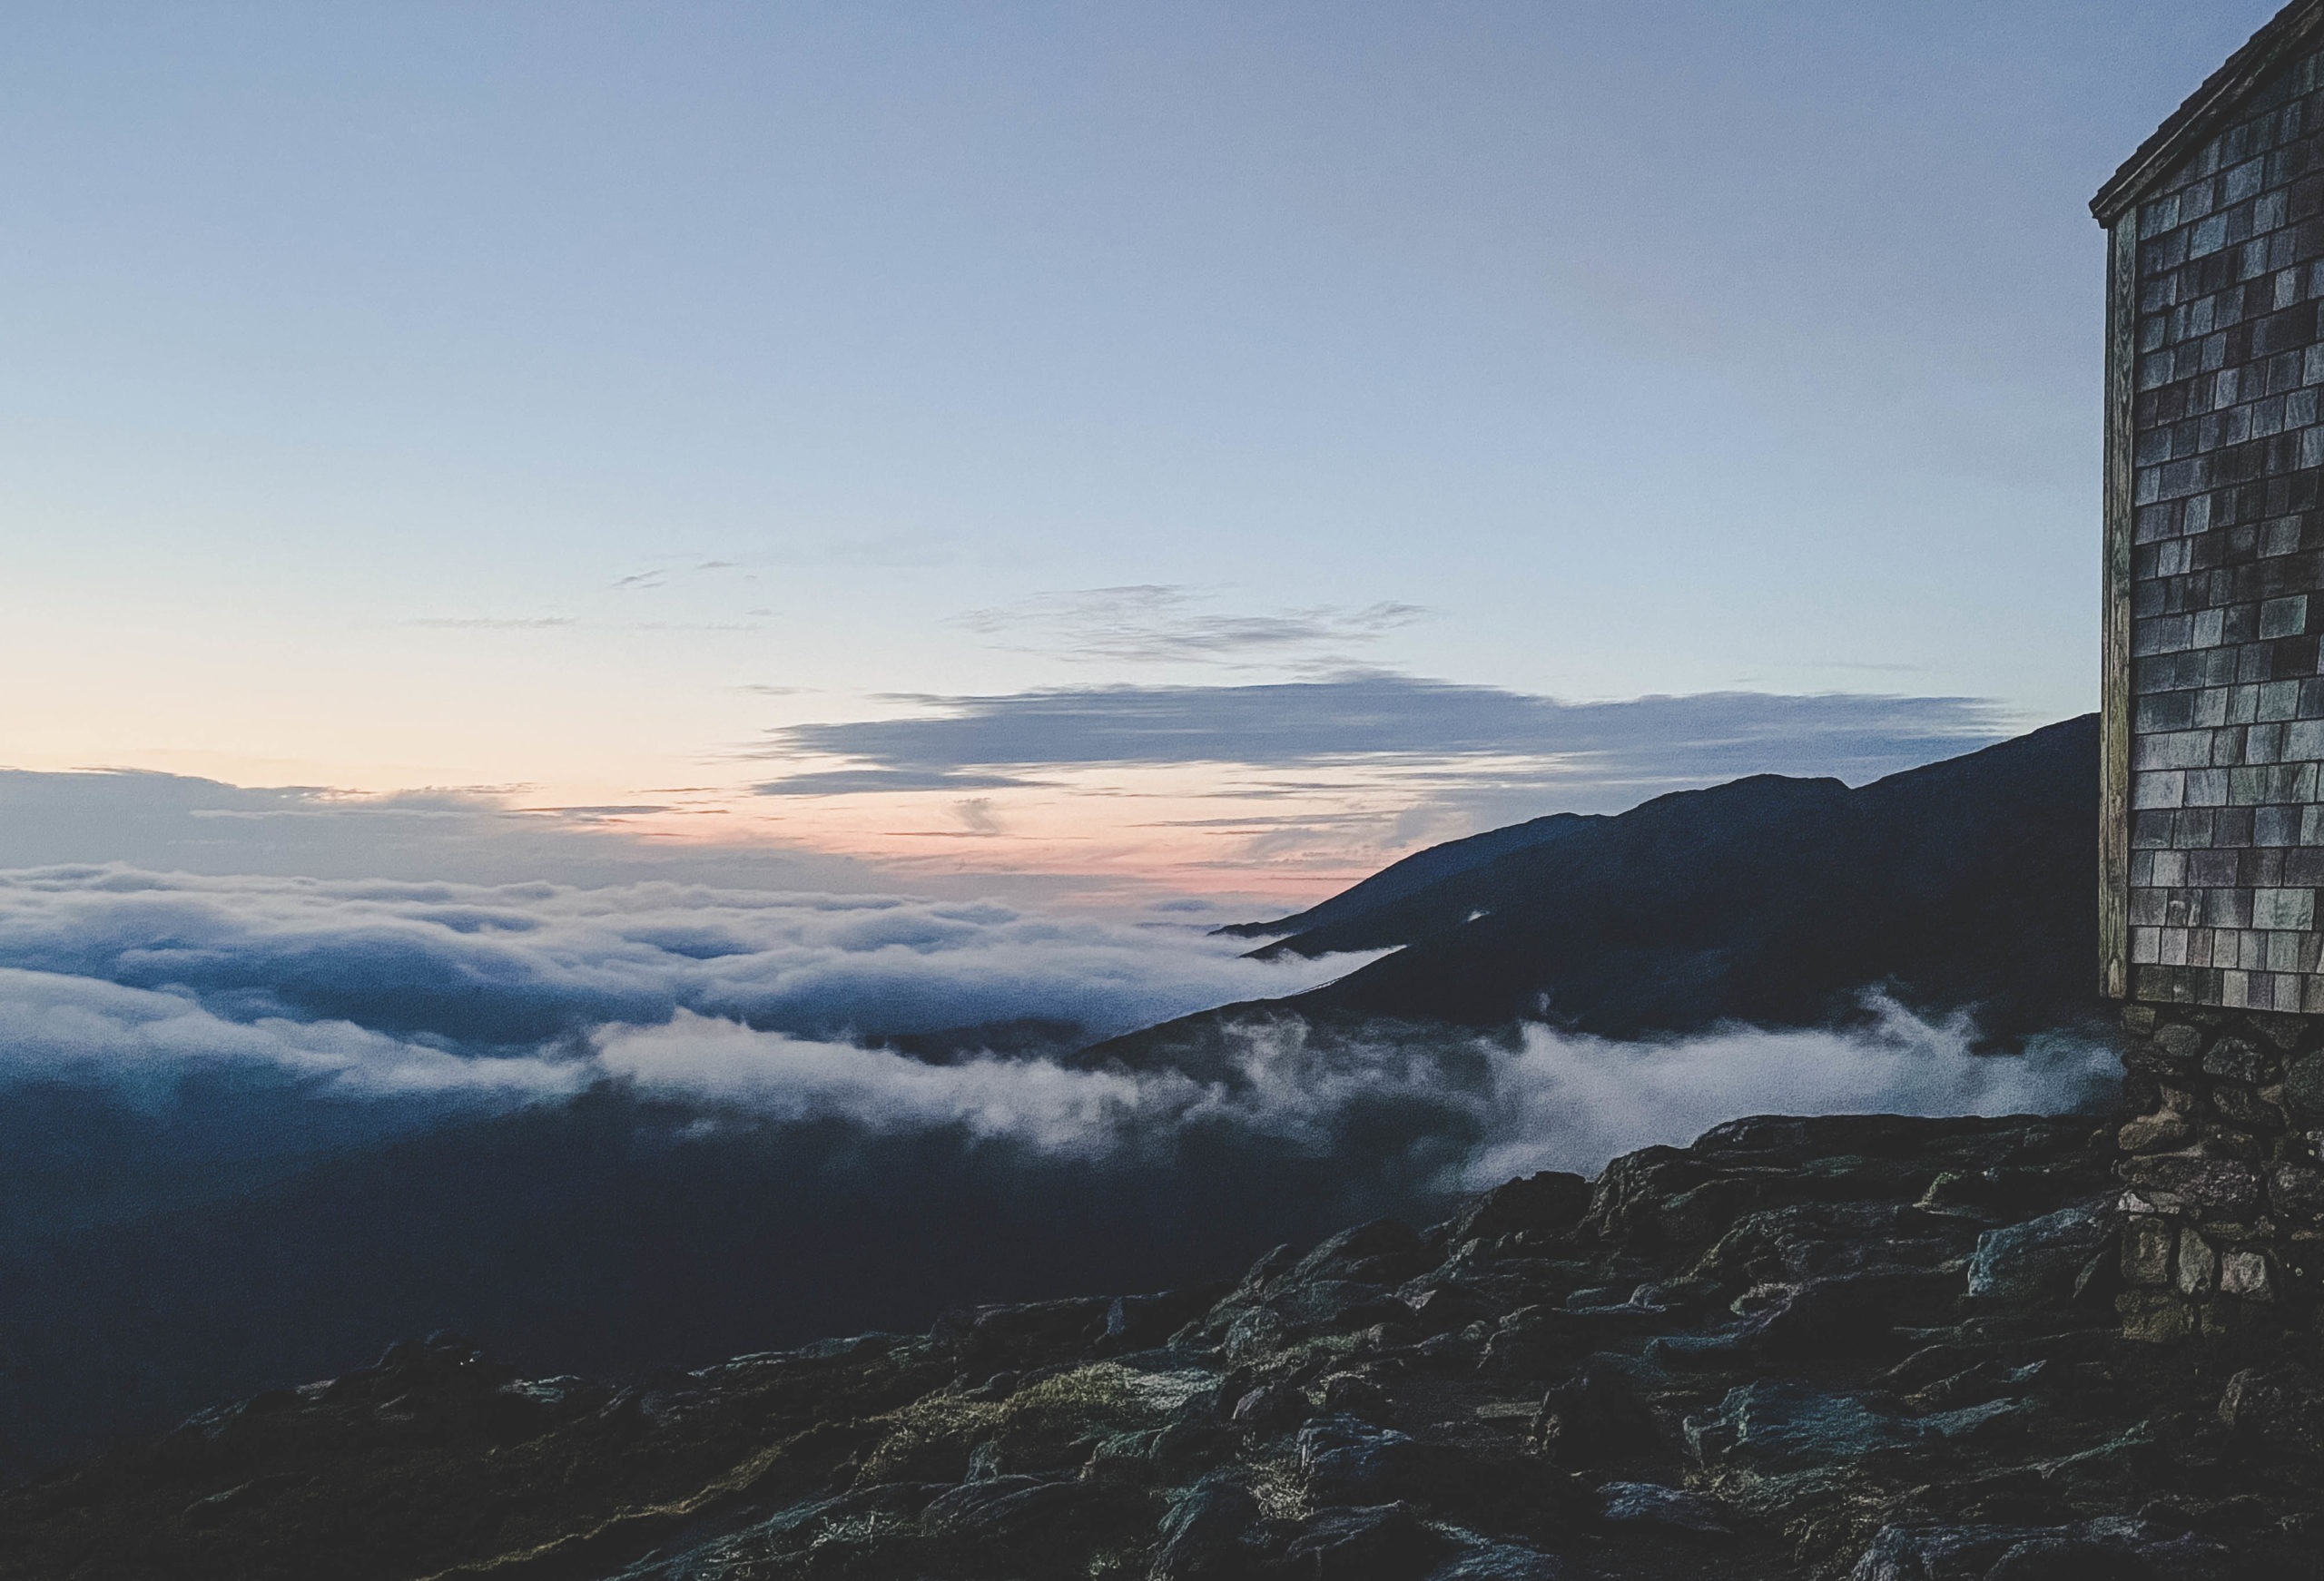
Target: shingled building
x: 2212, y: 834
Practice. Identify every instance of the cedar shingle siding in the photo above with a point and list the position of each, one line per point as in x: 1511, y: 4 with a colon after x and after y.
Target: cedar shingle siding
x: 2227, y: 561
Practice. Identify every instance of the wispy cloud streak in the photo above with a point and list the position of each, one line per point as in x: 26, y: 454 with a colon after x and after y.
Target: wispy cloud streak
x: 1401, y: 722
x: 1161, y: 623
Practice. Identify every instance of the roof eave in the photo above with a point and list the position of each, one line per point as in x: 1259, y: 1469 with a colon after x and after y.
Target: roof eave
x: 2294, y: 27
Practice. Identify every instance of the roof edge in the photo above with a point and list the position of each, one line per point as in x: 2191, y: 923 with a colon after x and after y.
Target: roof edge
x: 2296, y: 25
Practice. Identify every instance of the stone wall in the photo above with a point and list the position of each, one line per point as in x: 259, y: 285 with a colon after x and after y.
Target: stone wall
x: 2222, y: 1190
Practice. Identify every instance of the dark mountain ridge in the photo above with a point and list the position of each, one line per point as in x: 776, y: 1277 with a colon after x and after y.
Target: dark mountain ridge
x: 1416, y: 875
x: 1963, y: 885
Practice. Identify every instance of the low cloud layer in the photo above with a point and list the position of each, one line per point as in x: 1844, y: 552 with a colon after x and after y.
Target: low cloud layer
x: 1548, y: 1101
x: 498, y: 970
x: 1395, y: 721
x: 253, y: 1128
x: 770, y: 1009
x: 1574, y: 1103
x: 60, y: 1029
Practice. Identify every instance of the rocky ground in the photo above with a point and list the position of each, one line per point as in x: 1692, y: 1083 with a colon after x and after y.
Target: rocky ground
x: 1862, y: 1347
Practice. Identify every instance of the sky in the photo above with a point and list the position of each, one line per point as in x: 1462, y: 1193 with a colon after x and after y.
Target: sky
x: 1198, y: 450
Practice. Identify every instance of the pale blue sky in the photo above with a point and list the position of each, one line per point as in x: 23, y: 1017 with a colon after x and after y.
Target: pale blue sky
x: 497, y: 394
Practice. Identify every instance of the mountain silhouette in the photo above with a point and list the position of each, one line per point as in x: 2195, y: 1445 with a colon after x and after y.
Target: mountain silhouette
x: 1963, y: 885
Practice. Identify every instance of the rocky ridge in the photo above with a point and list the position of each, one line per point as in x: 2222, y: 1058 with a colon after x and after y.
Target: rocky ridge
x: 1867, y: 1347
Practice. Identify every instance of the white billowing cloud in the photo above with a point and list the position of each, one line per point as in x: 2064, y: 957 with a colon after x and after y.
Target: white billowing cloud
x: 55, y: 1028
x: 509, y: 968
x: 769, y: 1007
x: 1572, y: 1103
x: 1552, y: 1101
x: 1038, y: 1101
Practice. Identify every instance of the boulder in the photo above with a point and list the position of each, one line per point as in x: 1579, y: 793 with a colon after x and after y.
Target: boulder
x: 1703, y: 1213
x: 1262, y: 1274
x: 1783, y: 1424
x: 2150, y: 1250
x: 1723, y: 1348
x: 1593, y: 1298
x: 2297, y: 1192
x: 997, y: 1336
x: 2036, y: 1263
x: 2247, y: 1274
x: 1189, y: 1443
x: 1256, y: 1333
x: 1538, y: 1339
x: 2239, y: 1103
x: 1382, y: 1252
x: 2069, y: 1558
x: 1381, y: 1543
x: 1991, y: 1378
x: 2179, y: 1041
x: 1627, y: 1200
x: 2186, y: 1557
x: 1349, y: 1462
x: 1548, y: 1203
x: 1003, y: 1508
x: 1457, y: 1352
x: 1650, y: 1504
x: 2177, y: 1182
x: 1346, y: 1283
x: 1443, y: 1308
x: 2162, y: 1132
x: 2304, y: 1087
x: 1204, y: 1536
x: 2234, y: 1059
x: 1502, y: 1562
x: 2112, y: 1548
x: 1984, y: 1192
x: 1271, y: 1407
x: 1138, y: 1323
x: 2153, y: 1316
x: 1939, y: 1553
x: 1990, y: 1422
x: 2281, y: 1405
x: 1594, y: 1416
x: 1354, y: 1394
x: 1854, y: 1314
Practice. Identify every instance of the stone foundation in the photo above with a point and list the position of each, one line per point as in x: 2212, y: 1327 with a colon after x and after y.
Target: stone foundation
x: 2223, y: 1189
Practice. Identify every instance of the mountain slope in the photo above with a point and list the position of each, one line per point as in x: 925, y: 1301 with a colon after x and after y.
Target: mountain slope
x: 1825, y: 1348
x: 610, y: 1233
x: 1418, y: 875
x: 1771, y: 900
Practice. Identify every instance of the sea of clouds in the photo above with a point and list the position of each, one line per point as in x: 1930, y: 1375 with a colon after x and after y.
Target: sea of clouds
x: 788, y: 1008
x: 251, y: 1129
